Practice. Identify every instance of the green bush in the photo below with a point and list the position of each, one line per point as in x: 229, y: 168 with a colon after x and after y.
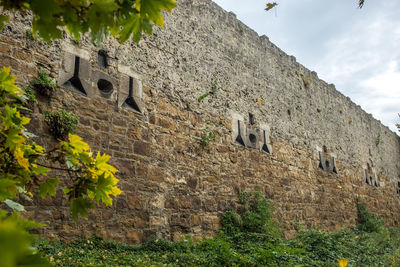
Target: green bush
x: 61, y: 123
x: 254, y: 215
x: 244, y: 241
x: 44, y: 84
x: 367, y: 221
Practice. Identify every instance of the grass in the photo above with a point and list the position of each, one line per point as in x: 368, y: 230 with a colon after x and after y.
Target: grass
x: 247, y: 239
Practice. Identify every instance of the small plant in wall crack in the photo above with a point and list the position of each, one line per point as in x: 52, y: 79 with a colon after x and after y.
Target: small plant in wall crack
x: 29, y: 34
x: 306, y: 80
x: 30, y: 97
x: 44, y: 84
x: 378, y: 139
x: 214, y: 89
x: 61, y: 123
x: 208, y: 135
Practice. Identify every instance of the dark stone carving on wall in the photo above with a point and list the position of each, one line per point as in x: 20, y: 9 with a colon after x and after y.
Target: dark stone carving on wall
x: 130, y: 93
x: 265, y: 146
x: 398, y: 188
x: 104, y: 83
x: 75, y: 74
x: 121, y: 85
x: 327, y: 162
x: 250, y: 135
x: 239, y: 138
x: 370, y: 177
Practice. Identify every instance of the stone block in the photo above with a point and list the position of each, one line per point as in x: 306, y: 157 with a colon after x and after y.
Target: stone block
x: 133, y: 237
x: 156, y: 174
x: 135, y: 201
x: 142, y: 148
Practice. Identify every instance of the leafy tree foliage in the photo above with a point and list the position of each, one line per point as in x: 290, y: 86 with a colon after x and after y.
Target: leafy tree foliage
x: 120, y: 18
x: 91, y: 180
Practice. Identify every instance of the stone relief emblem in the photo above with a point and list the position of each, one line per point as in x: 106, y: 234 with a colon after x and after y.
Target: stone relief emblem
x: 370, y: 176
x: 121, y: 85
x: 250, y: 134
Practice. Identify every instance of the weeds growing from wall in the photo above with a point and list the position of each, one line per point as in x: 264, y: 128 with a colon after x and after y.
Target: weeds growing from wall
x: 306, y: 80
x: 209, y: 135
x: 61, y: 123
x: 249, y: 237
x: 29, y: 34
x: 44, y: 84
x: 378, y: 139
x: 30, y: 97
x: 213, y: 90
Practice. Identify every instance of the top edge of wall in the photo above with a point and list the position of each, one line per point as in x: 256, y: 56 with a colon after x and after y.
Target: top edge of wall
x: 266, y: 42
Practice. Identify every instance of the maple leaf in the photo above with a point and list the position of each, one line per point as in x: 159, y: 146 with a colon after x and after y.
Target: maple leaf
x: 49, y: 187
x: 80, y: 206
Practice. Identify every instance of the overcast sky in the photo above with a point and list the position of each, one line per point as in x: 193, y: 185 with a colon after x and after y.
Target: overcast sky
x: 357, y: 50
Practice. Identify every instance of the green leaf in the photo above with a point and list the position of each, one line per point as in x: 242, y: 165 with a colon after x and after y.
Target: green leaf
x: 103, y: 190
x: 49, y: 187
x: 67, y: 190
x: 34, y: 260
x: 3, y: 19
x: 100, y: 18
x: 85, y: 158
x: 3, y: 214
x: 151, y: 9
x: 73, y: 25
x: 80, y: 206
x: 14, y: 205
x: 201, y: 98
x: 45, y: 20
x: 39, y: 170
x: 13, y: 139
x: 7, y: 189
x: 130, y: 25
x: 7, y: 84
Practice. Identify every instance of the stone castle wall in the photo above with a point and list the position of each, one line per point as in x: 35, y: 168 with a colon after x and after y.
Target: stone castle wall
x: 302, y: 143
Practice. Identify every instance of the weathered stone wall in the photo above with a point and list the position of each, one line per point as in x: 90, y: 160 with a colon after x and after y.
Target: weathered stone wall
x: 322, y: 146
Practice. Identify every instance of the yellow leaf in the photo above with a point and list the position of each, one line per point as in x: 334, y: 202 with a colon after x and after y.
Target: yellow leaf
x: 76, y: 142
x: 116, y: 191
x: 259, y: 101
x: 343, y: 262
x: 102, y: 165
x: 19, y: 155
x: 25, y: 120
x: 7, y: 83
x: 270, y: 6
x: 39, y: 149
